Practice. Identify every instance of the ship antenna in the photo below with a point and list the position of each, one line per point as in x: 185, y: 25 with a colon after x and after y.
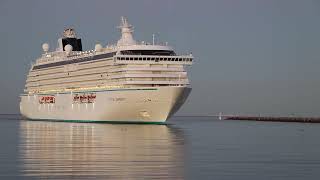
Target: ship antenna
x: 152, y: 39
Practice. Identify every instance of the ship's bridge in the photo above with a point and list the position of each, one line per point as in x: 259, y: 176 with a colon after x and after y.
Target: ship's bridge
x: 146, y: 49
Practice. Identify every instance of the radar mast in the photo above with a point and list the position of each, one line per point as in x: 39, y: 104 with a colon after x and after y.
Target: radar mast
x: 126, y: 33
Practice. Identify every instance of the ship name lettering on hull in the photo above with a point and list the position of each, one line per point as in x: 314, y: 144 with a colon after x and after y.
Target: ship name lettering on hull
x: 80, y: 98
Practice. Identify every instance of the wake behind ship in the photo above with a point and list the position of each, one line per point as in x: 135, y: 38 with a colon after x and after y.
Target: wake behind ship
x: 128, y: 82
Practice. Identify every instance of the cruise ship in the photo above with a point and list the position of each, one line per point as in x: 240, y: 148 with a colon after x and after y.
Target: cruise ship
x: 129, y: 82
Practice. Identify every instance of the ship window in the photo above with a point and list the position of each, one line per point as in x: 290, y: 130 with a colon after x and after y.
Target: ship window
x: 135, y: 58
x: 149, y: 52
x: 131, y: 58
x: 127, y: 58
x: 161, y: 59
x: 157, y: 60
x: 144, y: 59
x: 148, y: 59
x: 140, y: 58
x: 122, y: 58
x: 152, y: 59
x: 165, y: 59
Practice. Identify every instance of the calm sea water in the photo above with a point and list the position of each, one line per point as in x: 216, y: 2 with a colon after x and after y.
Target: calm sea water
x: 186, y: 148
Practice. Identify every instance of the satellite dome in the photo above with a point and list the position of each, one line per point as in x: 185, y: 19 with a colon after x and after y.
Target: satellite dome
x: 68, y: 48
x: 98, y: 47
x: 45, y: 47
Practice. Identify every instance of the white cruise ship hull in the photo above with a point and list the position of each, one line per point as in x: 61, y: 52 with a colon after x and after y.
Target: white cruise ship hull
x: 131, y: 105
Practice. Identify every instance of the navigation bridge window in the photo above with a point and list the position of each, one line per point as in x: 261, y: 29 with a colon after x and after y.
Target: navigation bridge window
x: 149, y: 52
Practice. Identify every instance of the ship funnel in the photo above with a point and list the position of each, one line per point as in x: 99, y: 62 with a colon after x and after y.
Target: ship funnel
x: 69, y: 37
x: 126, y: 33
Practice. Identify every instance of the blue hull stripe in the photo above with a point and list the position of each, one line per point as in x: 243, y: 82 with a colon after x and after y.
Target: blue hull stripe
x: 102, y: 121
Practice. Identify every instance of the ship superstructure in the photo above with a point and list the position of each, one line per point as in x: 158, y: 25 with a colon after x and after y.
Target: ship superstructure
x: 127, y: 82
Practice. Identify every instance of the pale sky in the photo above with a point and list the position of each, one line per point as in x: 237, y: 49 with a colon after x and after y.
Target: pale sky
x: 251, y: 56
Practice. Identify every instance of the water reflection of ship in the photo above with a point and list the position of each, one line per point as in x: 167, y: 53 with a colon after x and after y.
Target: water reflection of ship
x: 67, y: 150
